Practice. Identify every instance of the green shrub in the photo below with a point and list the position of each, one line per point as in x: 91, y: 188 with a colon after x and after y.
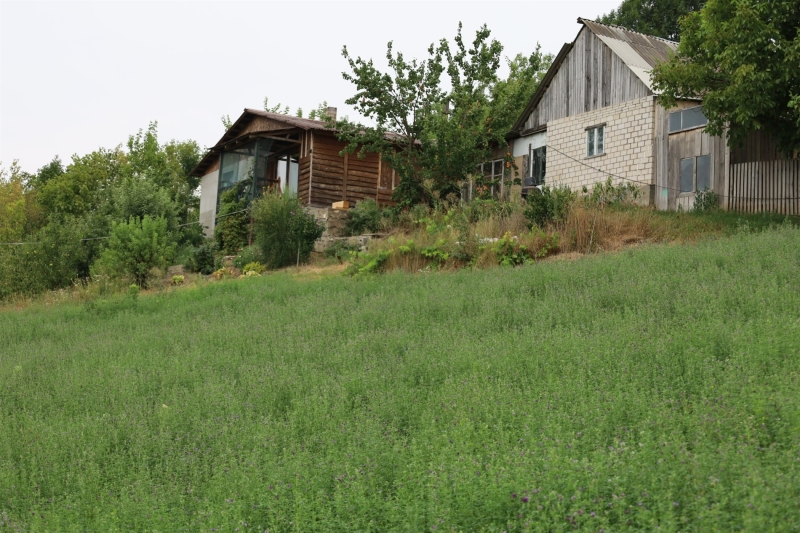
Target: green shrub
x: 284, y: 231
x: 706, y: 200
x: 548, y: 205
x: 365, y: 217
x: 609, y: 194
x: 233, y: 222
x: 202, y: 258
x: 254, y: 267
x: 135, y: 248
x: 248, y: 254
x: 54, y: 258
x: 340, y: 249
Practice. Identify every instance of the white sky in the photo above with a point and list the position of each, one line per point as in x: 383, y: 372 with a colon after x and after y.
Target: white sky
x: 76, y: 76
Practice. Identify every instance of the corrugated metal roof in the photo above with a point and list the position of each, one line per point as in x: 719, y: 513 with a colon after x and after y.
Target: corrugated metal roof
x: 638, y: 51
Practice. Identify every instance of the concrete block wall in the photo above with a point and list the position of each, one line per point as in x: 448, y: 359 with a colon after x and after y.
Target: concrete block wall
x: 628, y: 139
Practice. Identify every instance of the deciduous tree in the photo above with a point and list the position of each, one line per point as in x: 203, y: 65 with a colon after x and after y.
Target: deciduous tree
x: 742, y: 57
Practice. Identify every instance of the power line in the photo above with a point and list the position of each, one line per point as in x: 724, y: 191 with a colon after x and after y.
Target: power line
x: 659, y: 186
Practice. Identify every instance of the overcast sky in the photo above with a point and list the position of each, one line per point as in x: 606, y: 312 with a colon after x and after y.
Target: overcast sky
x: 76, y: 76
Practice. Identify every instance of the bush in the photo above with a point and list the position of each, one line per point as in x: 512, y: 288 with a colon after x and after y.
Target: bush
x: 254, y: 268
x: 248, y: 254
x: 202, y: 258
x: 365, y: 217
x: 51, y: 259
x: 233, y: 223
x: 548, y: 205
x: 340, y: 249
x: 284, y: 231
x: 609, y: 194
x: 706, y: 200
x: 135, y: 248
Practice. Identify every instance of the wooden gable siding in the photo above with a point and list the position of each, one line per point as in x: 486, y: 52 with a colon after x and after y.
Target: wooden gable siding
x: 591, y: 77
x: 263, y: 124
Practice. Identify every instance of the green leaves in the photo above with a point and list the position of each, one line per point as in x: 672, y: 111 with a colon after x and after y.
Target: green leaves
x: 434, y: 131
x: 135, y: 248
x: 743, y: 58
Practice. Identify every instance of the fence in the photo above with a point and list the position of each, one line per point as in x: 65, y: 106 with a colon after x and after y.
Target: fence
x: 765, y: 186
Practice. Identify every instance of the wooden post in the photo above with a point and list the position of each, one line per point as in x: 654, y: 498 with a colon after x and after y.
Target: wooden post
x: 344, y: 178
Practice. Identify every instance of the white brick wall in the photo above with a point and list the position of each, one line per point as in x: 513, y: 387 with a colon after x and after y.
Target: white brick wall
x: 628, y: 138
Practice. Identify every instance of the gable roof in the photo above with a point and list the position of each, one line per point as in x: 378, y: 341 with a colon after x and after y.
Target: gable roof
x: 236, y: 130
x: 638, y: 51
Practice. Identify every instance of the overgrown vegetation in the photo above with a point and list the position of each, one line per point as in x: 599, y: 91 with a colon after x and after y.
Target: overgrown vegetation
x: 654, y: 389
x: 486, y: 233
x: 284, y: 231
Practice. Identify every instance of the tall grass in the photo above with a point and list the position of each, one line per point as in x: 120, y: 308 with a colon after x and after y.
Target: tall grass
x: 654, y: 389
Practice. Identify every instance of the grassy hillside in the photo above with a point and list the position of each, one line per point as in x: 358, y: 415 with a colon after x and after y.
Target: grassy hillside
x: 654, y: 387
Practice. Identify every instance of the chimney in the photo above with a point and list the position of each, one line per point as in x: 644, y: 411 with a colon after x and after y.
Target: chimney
x: 331, y: 112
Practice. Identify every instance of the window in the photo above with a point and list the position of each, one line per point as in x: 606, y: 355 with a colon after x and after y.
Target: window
x: 538, y: 167
x: 696, y: 173
x: 687, y: 119
x: 595, y: 140
x: 490, y: 180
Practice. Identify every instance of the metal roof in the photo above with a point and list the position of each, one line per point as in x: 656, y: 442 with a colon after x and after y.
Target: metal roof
x: 638, y: 51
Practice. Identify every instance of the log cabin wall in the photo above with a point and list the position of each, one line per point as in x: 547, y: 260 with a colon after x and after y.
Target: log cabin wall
x: 590, y: 78
x: 329, y: 177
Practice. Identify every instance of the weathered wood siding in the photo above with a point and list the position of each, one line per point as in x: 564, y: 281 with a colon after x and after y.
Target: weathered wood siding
x: 694, y: 143
x: 591, y: 77
x: 765, y: 186
x: 763, y: 179
x: 334, y: 177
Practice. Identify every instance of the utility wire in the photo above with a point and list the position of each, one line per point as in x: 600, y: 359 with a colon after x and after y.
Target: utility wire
x: 659, y: 186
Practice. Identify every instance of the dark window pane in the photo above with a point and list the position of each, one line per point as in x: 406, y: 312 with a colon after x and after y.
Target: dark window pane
x: 599, y: 141
x: 703, y: 172
x: 693, y: 117
x: 687, y: 175
x: 590, y: 142
x: 538, y: 168
x: 674, y: 121
x: 498, y: 169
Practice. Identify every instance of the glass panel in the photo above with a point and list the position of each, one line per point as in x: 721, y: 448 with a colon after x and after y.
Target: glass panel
x: 693, y: 117
x: 590, y: 142
x: 703, y: 172
x: 687, y: 175
x: 487, y: 170
x: 675, y: 121
x: 599, y: 139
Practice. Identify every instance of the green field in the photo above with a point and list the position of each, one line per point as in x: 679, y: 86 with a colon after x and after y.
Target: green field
x: 654, y: 387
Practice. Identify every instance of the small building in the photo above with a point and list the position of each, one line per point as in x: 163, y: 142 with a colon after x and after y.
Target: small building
x: 264, y: 150
x: 595, y: 116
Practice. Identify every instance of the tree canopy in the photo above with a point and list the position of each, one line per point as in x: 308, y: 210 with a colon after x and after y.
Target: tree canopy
x: 437, y: 118
x: 652, y: 17
x: 742, y: 57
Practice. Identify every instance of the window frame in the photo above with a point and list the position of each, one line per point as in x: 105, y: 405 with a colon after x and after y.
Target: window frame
x: 680, y: 112
x: 592, y: 140
x: 694, y: 174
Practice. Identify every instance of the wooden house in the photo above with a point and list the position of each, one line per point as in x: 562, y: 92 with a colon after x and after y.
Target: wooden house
x: 595, y: 116
x: 264, y: 150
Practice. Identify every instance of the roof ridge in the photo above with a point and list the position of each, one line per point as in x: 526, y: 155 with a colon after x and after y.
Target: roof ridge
x: 582, y: 20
